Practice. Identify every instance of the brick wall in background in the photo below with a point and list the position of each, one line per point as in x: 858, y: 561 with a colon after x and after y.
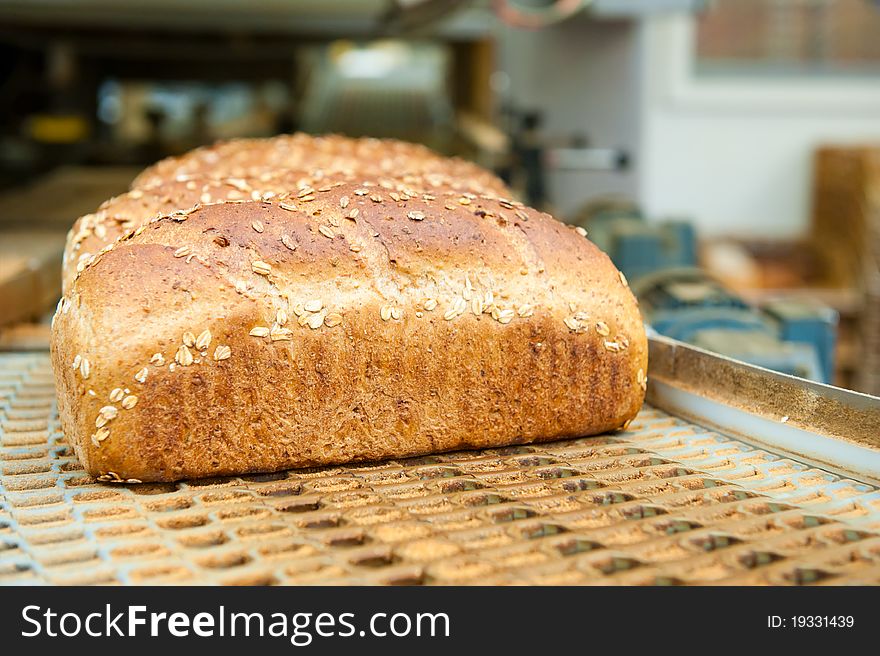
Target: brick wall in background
x: 809, y: 33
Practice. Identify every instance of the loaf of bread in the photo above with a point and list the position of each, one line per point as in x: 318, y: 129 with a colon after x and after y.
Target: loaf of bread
x: 259, y: 169
x: 375, y: 158
x: 347, y: 322
x: 129, y: 211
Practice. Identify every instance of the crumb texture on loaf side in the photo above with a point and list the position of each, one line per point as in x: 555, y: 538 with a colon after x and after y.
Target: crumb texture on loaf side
x: 341, y: 325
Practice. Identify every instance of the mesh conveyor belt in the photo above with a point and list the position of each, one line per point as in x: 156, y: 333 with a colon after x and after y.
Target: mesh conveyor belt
x: 666, y: 502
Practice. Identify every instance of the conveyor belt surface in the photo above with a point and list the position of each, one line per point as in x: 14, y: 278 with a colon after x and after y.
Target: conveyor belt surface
x: 667, y: 501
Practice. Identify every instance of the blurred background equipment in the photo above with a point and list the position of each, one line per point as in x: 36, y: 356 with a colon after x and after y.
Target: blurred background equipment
x: 637, y: 246
x: 681, y: 134
x: 680, y: 300
x: 790, y: 337
x: 846, y: 229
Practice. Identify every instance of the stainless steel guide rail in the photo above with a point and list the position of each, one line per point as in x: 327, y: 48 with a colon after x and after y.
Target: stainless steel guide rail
x: 835, y: 428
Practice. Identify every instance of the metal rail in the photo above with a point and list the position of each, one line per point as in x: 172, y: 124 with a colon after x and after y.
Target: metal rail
x: 827, y: 426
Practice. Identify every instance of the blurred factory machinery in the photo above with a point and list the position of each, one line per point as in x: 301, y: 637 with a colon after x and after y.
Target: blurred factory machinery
x: 682, y: 301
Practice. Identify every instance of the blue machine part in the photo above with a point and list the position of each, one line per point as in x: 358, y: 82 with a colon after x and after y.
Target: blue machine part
x: 681, y: 301
x: 638, y: 247
x: 688, y: 305
x: 805, y: 323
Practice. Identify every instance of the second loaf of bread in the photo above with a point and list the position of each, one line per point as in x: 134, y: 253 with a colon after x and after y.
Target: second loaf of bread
x: 353, y: 323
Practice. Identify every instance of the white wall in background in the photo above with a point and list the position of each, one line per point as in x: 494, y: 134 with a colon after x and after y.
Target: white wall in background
x: 584, y: 75
x: 735, y: 156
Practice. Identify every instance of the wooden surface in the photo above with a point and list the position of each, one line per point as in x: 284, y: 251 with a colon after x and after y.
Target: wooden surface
x: 25, y: 337
x: 57, y: 199
x: 30, y: 273
x: 34, y: 220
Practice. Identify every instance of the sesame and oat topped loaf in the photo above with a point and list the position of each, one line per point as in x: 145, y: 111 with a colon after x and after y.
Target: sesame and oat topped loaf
x: 345, y: 319
x: 370, y: 157
x: 127, y: 212
x: 258, y: 169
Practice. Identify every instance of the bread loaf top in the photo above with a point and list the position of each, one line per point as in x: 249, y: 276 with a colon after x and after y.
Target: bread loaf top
x: 389, y: 240
x: 92, y: 232
x: 364, y: 157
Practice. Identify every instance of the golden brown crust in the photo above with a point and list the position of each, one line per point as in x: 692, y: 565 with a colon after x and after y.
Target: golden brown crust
x: 371, y: 158
x: 258, y: 168
x: 434, y: 321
